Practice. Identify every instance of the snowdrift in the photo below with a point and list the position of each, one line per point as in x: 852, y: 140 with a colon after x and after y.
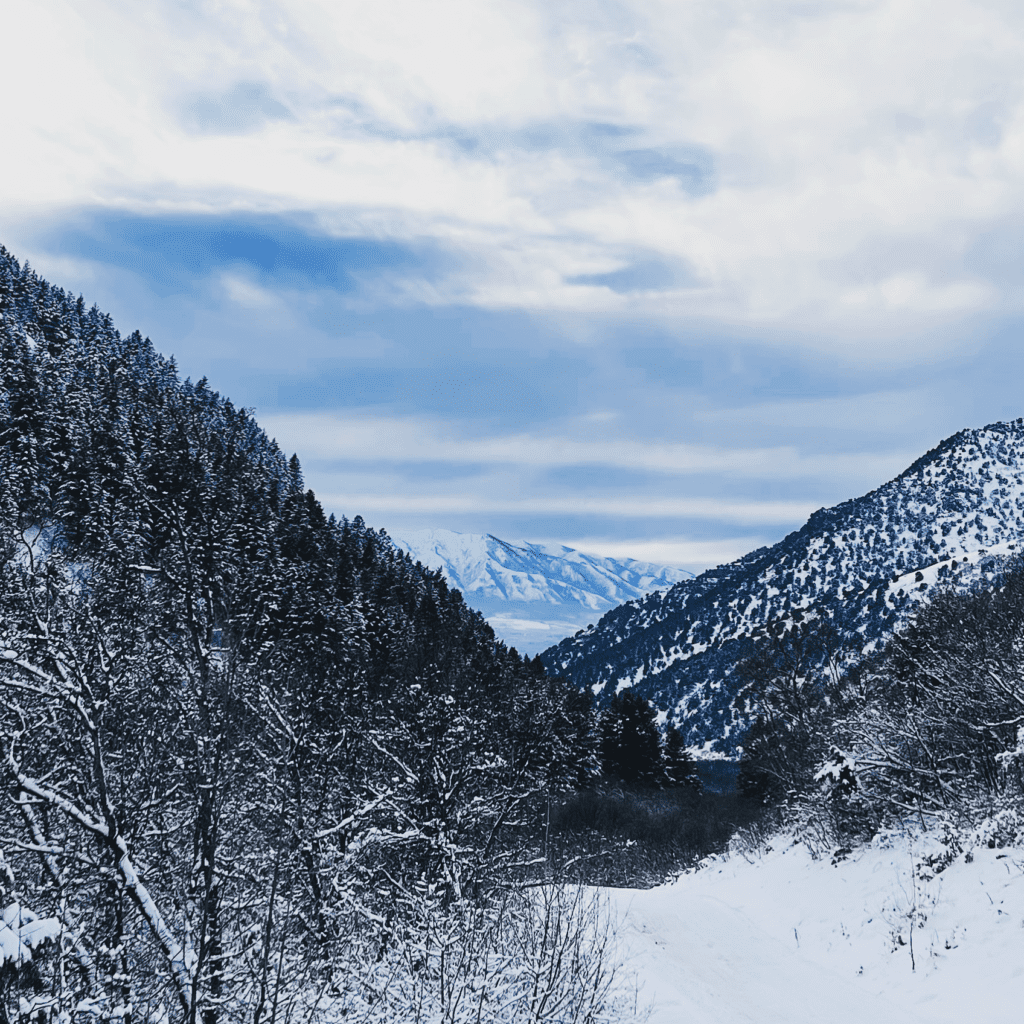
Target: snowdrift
x: 890, y: 932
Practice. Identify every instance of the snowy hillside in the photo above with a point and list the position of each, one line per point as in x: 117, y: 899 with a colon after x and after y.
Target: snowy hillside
x: 888, y: 934
x: 869, y: 562
x: 534, y: 594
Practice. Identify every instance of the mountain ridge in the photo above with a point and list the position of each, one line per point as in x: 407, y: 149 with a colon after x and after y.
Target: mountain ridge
x: 531, y: 593
x: 865, y: 563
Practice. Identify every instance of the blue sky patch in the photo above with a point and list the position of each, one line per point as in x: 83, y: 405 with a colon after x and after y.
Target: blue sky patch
x: 173, y: 250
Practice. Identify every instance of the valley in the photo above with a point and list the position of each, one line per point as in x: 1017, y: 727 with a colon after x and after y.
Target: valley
x: 261, y: 753
x: 774, y: 935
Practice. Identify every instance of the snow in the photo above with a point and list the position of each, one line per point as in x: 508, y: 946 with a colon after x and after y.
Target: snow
x: 21, y: 931
x: 534, y: 595
x: 784, y: 937
x: 870, y: 563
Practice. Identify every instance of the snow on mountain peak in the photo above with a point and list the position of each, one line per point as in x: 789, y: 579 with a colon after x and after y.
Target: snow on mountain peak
x: 534, y: 594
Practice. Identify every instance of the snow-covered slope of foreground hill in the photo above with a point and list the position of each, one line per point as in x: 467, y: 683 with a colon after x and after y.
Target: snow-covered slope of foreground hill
x: 533, y: 595
x: 783, y: 938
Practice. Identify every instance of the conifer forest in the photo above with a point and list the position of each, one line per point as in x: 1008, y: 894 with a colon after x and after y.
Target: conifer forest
x: 258, y: 765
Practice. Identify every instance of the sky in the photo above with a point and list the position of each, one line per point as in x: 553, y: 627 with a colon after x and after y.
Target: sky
x: 649, y: 279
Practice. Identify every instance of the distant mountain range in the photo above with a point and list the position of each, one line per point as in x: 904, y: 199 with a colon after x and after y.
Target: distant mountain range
x: 534, y: 594
x: 946, y: 521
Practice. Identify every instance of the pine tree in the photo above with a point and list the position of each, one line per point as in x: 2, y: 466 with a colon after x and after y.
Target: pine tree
x: 679, y: 767
x: 239, y: 734
x: 630, y: 741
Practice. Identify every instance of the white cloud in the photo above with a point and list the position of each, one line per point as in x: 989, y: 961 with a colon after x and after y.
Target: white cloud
x: 328, y: 436
x: 832, y: 130
x: 691, y: 554
x: 894, y: 412
x: 246, y: 293
x: 913, y: 292
x: 634, y: 507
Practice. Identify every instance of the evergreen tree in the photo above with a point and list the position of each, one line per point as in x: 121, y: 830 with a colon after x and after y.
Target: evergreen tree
x: 630, y: 741
x: 239, y: 735
x: 679, y: 767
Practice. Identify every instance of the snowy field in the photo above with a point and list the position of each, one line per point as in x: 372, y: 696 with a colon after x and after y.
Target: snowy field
x: 781, y: 937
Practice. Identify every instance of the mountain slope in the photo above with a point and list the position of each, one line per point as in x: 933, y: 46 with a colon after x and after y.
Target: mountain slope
x: 213, y: 695
x: 533, y: 594
x: 867, y: 562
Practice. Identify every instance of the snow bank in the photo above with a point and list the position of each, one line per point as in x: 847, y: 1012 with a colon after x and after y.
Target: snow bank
x: 783, y: 937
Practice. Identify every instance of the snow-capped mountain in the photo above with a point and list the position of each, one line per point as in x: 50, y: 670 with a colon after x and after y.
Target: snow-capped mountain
x: 534, y: 594
x: 868, y: 562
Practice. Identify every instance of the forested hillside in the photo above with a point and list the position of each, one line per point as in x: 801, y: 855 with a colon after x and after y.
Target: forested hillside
x: 867, y: 565
x: 259, y: 765
x: 262, y: 767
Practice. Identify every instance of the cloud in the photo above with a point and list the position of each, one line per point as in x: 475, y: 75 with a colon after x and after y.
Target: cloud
x: 694, y: 170
x: 449, y: 504
x: 857, y: 418
x: 765, y: 149
x: 333, y: 437
x: 245, y: 293
x: 245, y: 107
x: 645, y: 275
x: 563, y: 270
x: 682, y: 551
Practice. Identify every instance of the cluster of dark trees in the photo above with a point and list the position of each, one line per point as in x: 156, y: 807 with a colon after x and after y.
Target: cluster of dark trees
x: 252, y: 754
x: 929, y: 729
x: 635, y: 752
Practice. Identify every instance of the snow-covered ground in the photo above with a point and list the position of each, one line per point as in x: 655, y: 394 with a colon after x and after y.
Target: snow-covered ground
x: 781, y: 937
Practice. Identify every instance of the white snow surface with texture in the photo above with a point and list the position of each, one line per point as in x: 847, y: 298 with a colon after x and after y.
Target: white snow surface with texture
x: 21, y: 932
x: 781, y: 937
